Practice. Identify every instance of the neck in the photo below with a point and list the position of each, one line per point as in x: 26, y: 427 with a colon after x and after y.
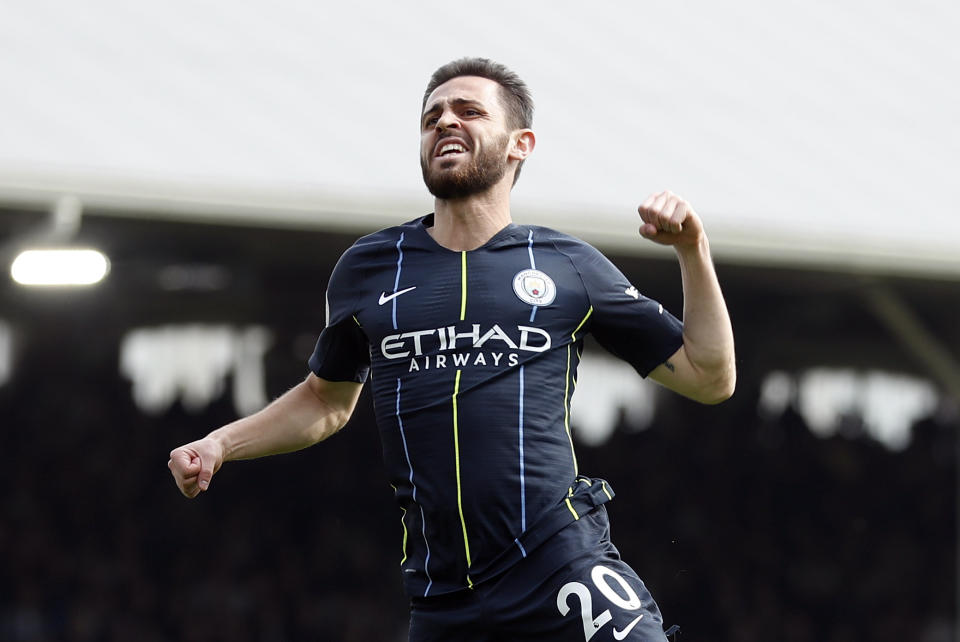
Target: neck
x: 467, y: 223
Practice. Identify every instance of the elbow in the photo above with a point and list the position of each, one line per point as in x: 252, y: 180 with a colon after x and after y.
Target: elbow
x: 328, y: 426
x: 712, y: 373
x: 721, y: 393
x: 337, y: 421
x: 328, y: 407
x: 719, y: 388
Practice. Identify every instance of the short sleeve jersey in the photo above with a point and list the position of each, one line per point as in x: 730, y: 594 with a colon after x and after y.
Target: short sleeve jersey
x: 474, y: 358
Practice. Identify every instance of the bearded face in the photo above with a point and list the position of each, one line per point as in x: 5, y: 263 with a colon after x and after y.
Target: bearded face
x: 455, y: 179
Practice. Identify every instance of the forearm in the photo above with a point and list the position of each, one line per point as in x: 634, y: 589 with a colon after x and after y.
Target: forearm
x: 295, y: 420
x: 707, y: 332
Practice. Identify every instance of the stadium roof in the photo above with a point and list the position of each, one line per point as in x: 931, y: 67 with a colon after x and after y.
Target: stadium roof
x: 804, y: 132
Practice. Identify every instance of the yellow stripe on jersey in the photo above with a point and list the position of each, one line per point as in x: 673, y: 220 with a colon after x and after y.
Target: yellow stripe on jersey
x: 566, y: 394
x: 404, y: 524
x: 566, y: 413
x: 572, y: 511
x: 574, y: 335
x: 463, y: 285
x: 456, y: 452
x: 456, y: 427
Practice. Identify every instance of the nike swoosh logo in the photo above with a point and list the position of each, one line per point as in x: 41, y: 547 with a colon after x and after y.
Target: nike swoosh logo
x: 384, y: 297
x: 619, y: 635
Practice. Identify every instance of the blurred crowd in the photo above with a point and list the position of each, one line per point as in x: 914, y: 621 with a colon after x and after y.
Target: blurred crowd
x: 745, y: 528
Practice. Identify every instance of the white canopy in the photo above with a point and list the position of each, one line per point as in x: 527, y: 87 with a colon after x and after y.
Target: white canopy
x: 803, y: 132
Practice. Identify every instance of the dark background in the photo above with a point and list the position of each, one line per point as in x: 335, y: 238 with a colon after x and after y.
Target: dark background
x: 745, y: 527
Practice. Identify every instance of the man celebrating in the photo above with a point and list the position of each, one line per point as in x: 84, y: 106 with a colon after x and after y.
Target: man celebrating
x: 474, y: 326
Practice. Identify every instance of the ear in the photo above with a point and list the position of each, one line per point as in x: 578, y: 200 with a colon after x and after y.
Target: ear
x: 523, y: 143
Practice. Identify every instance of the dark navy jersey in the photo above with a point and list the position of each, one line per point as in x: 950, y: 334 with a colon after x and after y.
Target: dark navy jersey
x: 474, y: 358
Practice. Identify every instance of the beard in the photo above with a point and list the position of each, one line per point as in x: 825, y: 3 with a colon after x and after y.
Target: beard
x: 479, y: 175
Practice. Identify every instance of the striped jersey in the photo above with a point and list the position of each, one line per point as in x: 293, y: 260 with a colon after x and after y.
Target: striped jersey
x: 474, y: 357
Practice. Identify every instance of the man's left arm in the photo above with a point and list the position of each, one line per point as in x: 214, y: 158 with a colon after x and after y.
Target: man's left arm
x: 704, y: 368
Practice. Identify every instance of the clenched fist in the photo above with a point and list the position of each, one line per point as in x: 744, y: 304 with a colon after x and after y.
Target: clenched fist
x: 670, y: 220
x: 194, y: 464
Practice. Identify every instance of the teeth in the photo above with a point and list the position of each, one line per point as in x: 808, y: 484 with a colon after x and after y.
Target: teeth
x: 452, y: 147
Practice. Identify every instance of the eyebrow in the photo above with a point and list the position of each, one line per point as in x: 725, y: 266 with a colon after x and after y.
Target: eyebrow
x: 458, y: 102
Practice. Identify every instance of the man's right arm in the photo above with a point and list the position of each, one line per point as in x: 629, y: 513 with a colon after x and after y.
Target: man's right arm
x: 308, y: 413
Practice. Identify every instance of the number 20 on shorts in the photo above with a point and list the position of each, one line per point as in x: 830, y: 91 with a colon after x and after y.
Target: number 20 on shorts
x: 591, y: 624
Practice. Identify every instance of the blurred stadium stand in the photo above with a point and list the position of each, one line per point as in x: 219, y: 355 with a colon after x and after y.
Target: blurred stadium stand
x: 746, y: 525
x: 223, y: 155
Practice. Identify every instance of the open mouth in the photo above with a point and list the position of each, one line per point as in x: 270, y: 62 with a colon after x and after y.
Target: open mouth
x: 450, y: 149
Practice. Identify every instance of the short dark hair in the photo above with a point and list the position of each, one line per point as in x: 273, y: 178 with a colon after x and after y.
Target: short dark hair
x: 516, y: 96
x: 513, y: 91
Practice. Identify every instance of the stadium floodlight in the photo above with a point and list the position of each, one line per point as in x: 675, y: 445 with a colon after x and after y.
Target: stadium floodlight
x: 59, y: 267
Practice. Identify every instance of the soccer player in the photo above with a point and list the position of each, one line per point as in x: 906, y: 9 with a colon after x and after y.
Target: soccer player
x: 473, y: 328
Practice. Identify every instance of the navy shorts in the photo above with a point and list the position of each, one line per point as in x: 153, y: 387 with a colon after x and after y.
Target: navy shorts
x: 574, y: 587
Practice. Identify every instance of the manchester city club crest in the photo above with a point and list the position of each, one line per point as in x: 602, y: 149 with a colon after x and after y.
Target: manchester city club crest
x: 534, y: 287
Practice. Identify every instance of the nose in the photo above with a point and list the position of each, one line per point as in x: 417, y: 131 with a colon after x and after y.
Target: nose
x: 446, y: 120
